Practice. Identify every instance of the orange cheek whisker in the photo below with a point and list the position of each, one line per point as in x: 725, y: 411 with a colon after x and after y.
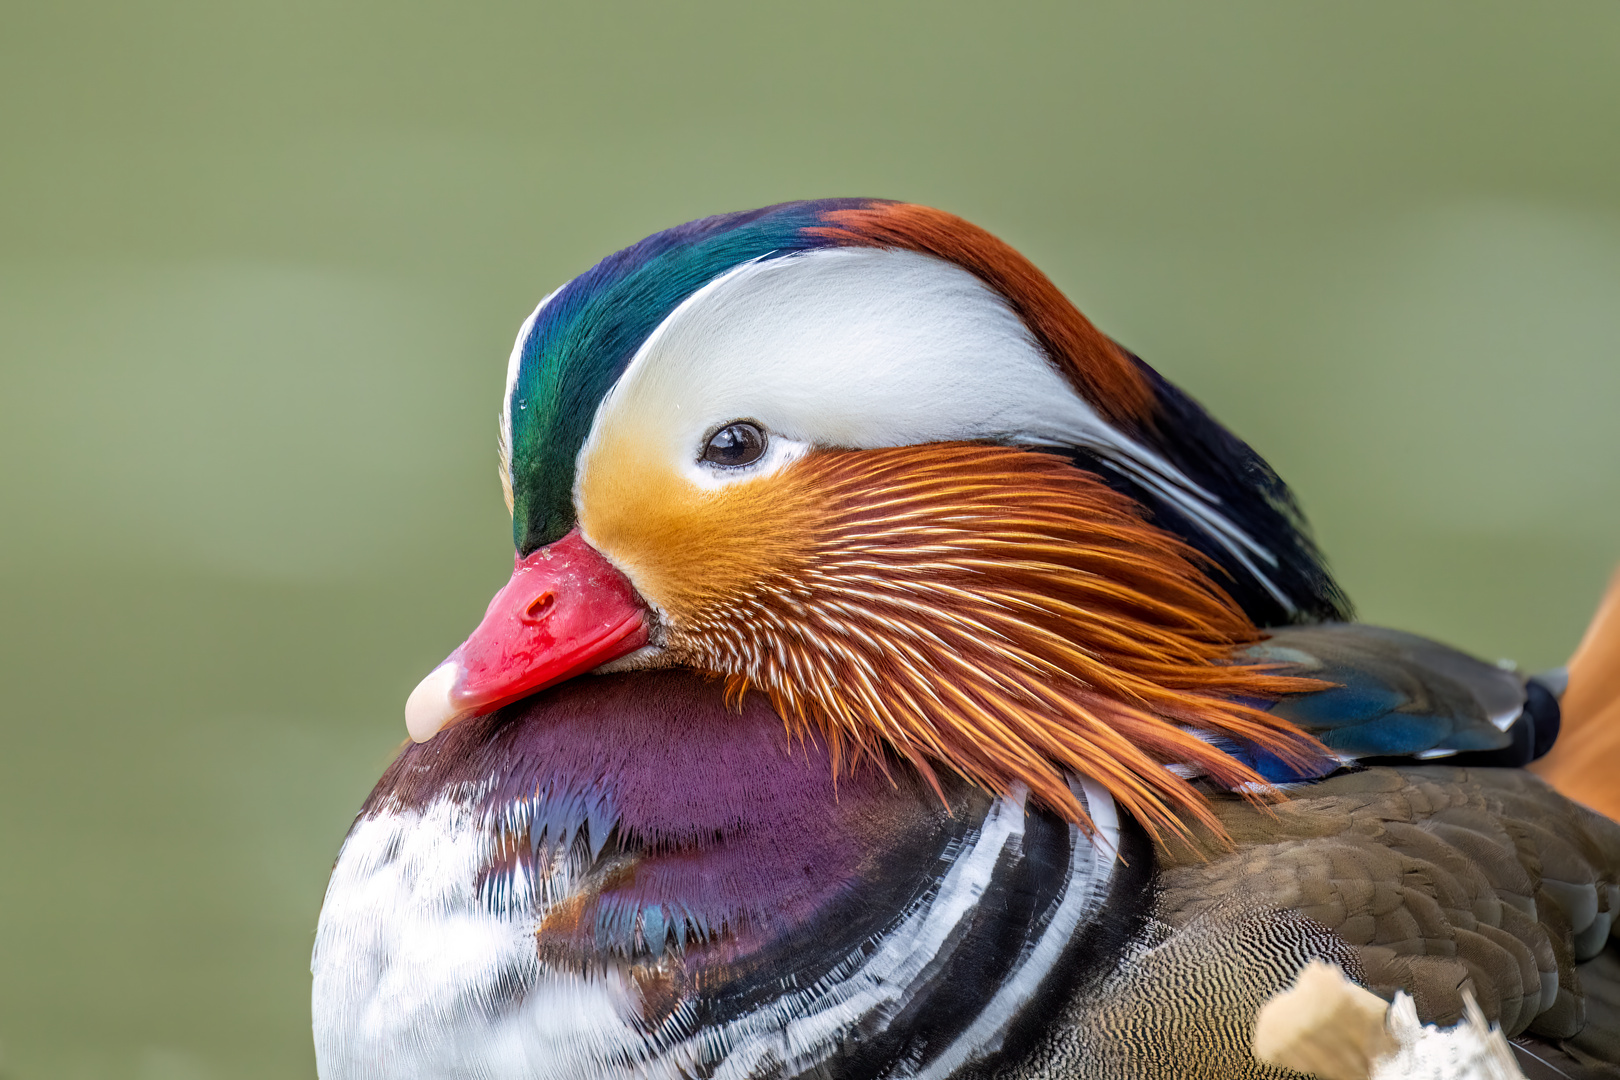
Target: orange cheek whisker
x: 994, y: 612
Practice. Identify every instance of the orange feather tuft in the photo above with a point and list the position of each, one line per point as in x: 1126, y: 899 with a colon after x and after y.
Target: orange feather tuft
x: 997, y: 612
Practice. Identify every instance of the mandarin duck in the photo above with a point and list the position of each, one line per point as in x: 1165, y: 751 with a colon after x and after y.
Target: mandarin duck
x: 899, y: 678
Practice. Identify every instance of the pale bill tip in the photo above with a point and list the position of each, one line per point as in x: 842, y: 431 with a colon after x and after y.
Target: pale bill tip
x: 428, y: 709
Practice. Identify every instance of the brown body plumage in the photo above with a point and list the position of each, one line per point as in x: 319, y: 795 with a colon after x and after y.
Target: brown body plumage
x: 1431, y: 880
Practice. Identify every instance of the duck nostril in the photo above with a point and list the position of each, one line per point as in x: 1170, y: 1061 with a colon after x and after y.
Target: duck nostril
x: 540, y: 607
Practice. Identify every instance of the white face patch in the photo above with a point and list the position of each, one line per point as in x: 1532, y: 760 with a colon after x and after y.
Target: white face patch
x: 861, y: 348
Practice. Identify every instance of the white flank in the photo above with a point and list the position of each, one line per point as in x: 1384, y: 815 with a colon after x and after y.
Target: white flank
x: 1472, y: 1050
x: 1325, y: 1025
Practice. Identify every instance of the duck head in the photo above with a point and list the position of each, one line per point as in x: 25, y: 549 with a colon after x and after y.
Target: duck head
x: 865, y: 459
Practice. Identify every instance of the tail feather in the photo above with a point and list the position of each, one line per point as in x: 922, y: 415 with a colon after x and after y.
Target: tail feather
x: 1585, y: 762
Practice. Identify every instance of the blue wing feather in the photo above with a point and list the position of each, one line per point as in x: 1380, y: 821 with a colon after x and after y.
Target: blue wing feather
x: 1402, y: 697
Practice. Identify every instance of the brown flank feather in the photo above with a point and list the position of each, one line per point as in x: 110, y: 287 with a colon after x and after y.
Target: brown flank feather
x: 995, y: 611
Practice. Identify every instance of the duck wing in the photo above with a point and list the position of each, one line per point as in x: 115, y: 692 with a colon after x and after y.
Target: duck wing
x: 1427, y: 879
x: 1395, y: 697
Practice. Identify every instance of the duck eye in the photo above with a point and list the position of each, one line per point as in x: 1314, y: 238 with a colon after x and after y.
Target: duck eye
x: 735, y: 445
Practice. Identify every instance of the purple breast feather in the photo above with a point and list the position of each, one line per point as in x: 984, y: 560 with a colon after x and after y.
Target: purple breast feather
x: 703, y: 826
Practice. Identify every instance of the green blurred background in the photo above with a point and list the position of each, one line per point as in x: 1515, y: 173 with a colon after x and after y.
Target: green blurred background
x: 261, y: 264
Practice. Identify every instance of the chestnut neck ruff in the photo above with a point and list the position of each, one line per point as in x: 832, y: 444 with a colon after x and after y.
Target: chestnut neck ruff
x: 996, y: 612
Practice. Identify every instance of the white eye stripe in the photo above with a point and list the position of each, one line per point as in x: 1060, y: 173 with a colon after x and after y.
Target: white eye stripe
x: 864, y: 348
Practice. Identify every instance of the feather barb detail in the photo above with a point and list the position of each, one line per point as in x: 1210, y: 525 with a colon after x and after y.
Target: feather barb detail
x: 995, y: 612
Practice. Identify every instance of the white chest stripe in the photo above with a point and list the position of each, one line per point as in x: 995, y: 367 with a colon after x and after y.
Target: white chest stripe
x: 1092, y: 873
